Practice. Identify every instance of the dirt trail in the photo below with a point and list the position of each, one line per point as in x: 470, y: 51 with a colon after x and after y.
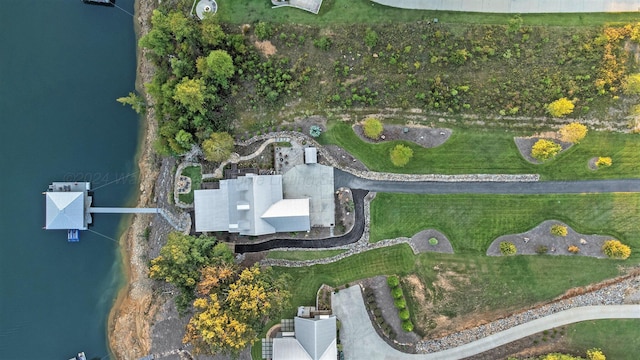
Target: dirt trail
x: 130, y: 318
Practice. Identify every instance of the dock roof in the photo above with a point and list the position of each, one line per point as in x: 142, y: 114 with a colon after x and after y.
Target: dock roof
x: 65, y: 210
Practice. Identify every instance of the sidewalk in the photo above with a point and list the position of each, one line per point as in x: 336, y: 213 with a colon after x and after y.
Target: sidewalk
x: 518, y: 6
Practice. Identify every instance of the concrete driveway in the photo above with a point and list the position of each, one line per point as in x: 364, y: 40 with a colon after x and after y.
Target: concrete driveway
x: 360, y: 341
x: 517, y: 6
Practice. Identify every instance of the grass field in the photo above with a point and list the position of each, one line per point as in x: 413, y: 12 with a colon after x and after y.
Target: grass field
x: 363, y: 11
x: 492, y: 151
x: 195, y: 173
x: 472, y: 222
x: 303, y: 255
x: 618, y: 339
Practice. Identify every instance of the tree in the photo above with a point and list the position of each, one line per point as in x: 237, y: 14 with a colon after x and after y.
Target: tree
x: 134, y: 100
x: 190, y: 93
x: 211, y: 34
x: 217, y: 67
x: 507, y: 248
x: 184, y: 139
x: 560, y: 107
x: 545, y: 149
x: 218, y: 147
x: 573, y: 132
x: 400, y: 155
x: 181, y: 259
x: 232, y: 314
x: 616, y: 250
x: 632, y: 84
x: 372, y: 128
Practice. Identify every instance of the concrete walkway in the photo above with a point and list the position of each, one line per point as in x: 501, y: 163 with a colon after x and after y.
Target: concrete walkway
x: 345, y: 179
x: 518, y: 6
x: 361, y: 341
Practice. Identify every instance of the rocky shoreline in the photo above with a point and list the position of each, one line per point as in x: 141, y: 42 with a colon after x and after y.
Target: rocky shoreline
x: 130, y: 318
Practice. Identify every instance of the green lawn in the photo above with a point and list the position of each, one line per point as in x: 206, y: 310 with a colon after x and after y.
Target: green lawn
x: 618, y: 339
x: 364, y: 11
x: 195, y: 173
x: 478, y: 151
x: 472, y: 222
x: 303, y: 255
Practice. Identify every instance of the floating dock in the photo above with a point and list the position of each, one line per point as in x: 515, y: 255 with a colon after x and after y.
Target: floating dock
x: 80, y: 356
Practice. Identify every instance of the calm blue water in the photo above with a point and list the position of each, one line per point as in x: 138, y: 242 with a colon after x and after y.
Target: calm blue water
x: 62, y: 65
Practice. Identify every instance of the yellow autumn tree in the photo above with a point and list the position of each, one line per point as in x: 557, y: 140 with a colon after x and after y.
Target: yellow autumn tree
x: 545, y: 149
x: 372, y: 128
x: 234, y: 308
x: 560, y: 107
x: 573, y: 132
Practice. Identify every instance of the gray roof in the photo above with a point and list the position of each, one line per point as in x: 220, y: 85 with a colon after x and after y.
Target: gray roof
x: 310, y: 155
x: 65, y: 210
x: 313, y: 181
x: 288, y: 348
x: 317, y: 337
x: 249, y: 205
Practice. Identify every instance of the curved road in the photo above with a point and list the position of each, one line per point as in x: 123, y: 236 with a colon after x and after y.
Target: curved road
x: 361, y: 341
x: 342, y: 178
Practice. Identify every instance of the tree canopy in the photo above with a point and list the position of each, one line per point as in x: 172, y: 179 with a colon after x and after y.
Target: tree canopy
x: 233, y: 308
x: 181, y: 259
x: 573, y: 132
x: 400, y: 155
x: 560, y: 107
x: 218, y: 147
x: 545, y: 149
x: 217, y: 67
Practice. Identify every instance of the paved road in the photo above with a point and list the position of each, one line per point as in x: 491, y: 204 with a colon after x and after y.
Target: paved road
x: 518, y: 6
x: 361, y: 341
x: 345, y: 179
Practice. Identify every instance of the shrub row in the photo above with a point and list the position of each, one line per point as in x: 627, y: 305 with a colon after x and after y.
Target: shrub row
x: 400, y: 302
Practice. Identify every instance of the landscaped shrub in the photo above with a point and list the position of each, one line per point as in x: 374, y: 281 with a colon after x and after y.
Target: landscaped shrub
x: 377, y: 312
x: 573, y: 249
x: 545, y: 149
x: 560, y: 107
x: 507, y: 248
x: 616, y: 250
x: 559, y: 230
x: 573, y: 132
x: 433, y: 241
x: 263, y: 30
x: 604, y: 161
x: 323, y: 43
x: 315, y: 131
x: 393, y: 281
x: 407, y: 326
x: 372, y: 128
x: 541, y: 249
x: 404, y: 314
x: 370, y: 38
x: 396, y: 292
x: 632, y: 84
x: 595, y: 354
x: 400, y: 303
x: 400, y: 155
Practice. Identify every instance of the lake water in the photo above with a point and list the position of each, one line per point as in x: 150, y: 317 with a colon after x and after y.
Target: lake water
x: 62, y: 65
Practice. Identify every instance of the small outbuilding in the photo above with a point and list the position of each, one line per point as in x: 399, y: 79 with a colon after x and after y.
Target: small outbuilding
x: 310, y: 155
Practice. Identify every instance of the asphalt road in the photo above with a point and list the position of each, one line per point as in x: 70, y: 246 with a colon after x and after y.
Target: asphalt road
x: 342, y: 178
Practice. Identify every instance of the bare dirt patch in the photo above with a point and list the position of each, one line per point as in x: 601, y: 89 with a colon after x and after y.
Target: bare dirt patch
x: 592, y: 163
x: 266, y: 48
x: 529, y: 243
x: 424, y: 136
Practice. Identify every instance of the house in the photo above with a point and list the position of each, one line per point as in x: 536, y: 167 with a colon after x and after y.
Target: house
x: 250, y: 205
x: 67, y: 206
x: 311, y: 339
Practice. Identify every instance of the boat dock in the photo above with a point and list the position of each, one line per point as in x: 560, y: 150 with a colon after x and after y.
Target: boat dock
x: 68, y: 207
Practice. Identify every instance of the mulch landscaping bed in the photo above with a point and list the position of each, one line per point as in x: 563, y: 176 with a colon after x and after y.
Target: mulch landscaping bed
x: 525, y: 144
x: 421, y: 135
x: 527, y: 243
